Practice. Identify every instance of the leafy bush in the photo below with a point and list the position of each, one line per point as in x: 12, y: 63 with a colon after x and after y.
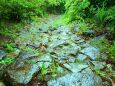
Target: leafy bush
x: 19, y: 9
x: 56, y: 6
x: 100, y: 11
x: 104, y: 15
x: 24, y: 9
x: 6, y: 29
x: 99, y: 3
x: 76, y: 8
x: 105, y: 18
x: 101, y: 15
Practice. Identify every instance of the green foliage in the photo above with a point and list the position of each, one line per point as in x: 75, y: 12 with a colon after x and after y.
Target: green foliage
x: 7, y: 60
x: 107, y: 73
x: 25, y: 9
x: 106, y: 47
x: 54, y: 68
x: 56, y: 6
x: 20, y: 9
x: 101, y: 15
x: 43, y: 70
x: 112, y: 51
x: 10, y: 29
x: 102, y: 11
x: 29, y: 49
x: 104, y: 15
x: 55, y: 2
x: 76, y: 8
x: 99, y: 3
x: 83, y: 27
x: 9, y: 47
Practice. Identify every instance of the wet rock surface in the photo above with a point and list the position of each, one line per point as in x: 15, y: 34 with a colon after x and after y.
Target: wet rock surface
x: 2, y: 67
x: 59, y: 52
x: 85, y: 78
x: 92, y: 52
x: 2, y: 54
x: 22, y: 71
x: 89, y: 33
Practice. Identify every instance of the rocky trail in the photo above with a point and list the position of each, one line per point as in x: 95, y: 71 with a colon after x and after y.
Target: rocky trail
x: 48, y: 56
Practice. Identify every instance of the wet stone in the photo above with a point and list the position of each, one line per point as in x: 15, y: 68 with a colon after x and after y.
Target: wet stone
x: 74, y: 67
x: 27, y: 55
x: 89, y: 33
x: 71, y: 59
x: 75, y: 28
x: 2, y: 54
x: 23, y: 74
x: 85, y: 78
x: 75, y: 37
x: 99, y: 65
x: 81, y: 57
x: 92, y: 52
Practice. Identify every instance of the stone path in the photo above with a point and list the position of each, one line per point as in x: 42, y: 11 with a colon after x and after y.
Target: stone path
x: 59, y: 56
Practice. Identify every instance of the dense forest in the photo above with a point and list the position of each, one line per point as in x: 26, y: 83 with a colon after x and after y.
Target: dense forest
x: 57, y: 43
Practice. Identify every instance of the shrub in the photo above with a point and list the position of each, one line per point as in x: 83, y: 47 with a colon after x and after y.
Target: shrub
x: 75, y: 8
x: 24, y: 9
x: 56, y: 6
x: 20, y: 9
x: 104, y: 15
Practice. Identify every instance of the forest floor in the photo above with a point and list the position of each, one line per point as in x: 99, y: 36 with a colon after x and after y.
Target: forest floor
x: 47, y: 55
